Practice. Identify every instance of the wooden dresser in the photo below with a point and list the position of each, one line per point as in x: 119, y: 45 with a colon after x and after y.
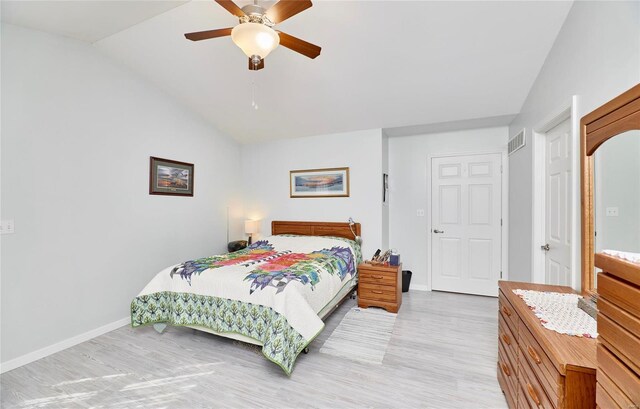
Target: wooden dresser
x: 618, y: 333
x: 537, y: 367
x: 380, y: 286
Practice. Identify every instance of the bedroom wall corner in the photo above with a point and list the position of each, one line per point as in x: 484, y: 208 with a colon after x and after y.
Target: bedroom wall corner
x: 596, y: 56
x: 77, y: 133
x: 409, y: 170
x: 385, y: 205
x: 266, y: 169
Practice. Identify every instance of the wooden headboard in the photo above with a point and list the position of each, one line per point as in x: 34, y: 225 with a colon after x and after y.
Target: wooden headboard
x: 315, y: 228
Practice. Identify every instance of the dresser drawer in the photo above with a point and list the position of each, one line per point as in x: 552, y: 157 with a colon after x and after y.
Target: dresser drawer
x: 378, y: 277
x: 604, y: 400
x: 377, y: 292
x: 622, y: 317
x: 612, y: 391
x: 533, y: 391
x: 507, y: 387
x: 508, y: 312
x: 507, y: 340
x: 624, y: 344
x: 532, y: 352
x: 509, y: 369
x: 523, y: 403
x: 619, y: 293
x: 614, y: 370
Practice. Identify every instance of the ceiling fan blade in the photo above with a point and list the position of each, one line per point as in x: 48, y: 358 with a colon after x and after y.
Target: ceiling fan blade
x: 231, y: 7
x: 284, y: 9
x: 253, y: 67
x: 298, y: 45
x: 205, y: 35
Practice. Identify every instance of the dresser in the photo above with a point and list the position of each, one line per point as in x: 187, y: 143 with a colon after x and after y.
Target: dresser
x: 537, y: 367
x: 380, y: 286
x: 618, y: 333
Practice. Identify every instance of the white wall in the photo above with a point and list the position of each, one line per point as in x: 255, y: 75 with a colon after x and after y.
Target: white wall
x: 596, y: 56
x: 77, y: 133
x: 408, y: 173
x: 385, y: 206
x: 266, y: 169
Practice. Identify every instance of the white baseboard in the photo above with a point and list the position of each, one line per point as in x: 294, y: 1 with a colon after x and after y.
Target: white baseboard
x: 419, y: 287
x: 59, y: 346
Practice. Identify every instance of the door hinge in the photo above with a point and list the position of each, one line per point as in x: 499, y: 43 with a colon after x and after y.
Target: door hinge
x: 501, y: 275
x: 500, y: 222
x: 500, y: 168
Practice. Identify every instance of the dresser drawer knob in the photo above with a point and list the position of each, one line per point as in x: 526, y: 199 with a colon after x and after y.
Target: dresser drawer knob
x: 505, y: 338
x: 378, y: 277
x: 533, y: 394
x: 506, y: 311
x: 505, y: 369
x: 533, y: 354
x: 376, y: 291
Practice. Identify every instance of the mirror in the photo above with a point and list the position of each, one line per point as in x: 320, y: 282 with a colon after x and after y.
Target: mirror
x: 609, y: 181
x: 617, y: 194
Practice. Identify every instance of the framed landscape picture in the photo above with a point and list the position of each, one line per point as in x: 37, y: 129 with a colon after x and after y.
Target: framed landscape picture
x: 170, y: 177
x: 332, y: 182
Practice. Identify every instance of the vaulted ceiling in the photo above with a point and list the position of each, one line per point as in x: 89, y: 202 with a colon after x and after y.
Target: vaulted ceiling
x: 384, y: 64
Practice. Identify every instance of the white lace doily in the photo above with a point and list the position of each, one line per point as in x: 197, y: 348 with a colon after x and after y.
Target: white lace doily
x: 559, y: 312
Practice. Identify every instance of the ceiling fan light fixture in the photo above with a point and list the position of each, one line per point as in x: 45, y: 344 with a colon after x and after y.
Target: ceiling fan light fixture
x: 255, y: 39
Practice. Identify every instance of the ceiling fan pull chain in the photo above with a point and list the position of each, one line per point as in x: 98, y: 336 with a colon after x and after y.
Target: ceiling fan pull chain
x: 254, y: 104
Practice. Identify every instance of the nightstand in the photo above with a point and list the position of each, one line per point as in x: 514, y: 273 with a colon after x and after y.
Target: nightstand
x: 380, y: 286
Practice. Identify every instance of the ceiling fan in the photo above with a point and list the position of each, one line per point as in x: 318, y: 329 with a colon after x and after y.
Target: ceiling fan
x: 255, y: 35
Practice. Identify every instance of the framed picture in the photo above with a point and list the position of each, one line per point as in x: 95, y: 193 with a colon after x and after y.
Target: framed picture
x: 333, y: 182
x: 385, y: 187
x: 170, y: 177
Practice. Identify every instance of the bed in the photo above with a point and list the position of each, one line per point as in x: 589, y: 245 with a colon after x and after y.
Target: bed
x: 275, y: 293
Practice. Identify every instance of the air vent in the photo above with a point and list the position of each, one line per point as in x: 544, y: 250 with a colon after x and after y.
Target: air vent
x: 516, y: 142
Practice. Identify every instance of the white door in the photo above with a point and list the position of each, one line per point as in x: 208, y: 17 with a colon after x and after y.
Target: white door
x: 558, y: 210
x: 466, y: 208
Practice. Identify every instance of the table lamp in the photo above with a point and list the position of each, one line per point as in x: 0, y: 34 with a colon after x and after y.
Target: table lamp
x: 250, y: 227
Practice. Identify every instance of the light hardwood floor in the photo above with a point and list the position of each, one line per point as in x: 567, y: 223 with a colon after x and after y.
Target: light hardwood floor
x: 442, y: 355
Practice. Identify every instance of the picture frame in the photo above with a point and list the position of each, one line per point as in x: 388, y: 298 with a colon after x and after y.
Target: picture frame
x: 170, y: 177
x: 329, y: 182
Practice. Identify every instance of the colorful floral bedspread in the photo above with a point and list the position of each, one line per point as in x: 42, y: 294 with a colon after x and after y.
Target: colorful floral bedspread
x: 271, y: 291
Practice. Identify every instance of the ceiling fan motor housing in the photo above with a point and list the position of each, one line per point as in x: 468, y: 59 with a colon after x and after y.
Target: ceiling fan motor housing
x: 253, y: 9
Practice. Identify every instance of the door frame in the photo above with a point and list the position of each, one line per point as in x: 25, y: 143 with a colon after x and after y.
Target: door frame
x: 504, y: 209
x: 568, y: 110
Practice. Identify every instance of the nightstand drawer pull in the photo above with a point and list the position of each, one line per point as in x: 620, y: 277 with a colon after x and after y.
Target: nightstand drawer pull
x: 533, y: 354
x: 376, y: 291
x: 505, y: 369
x: 378, y: 277
x: 533, y: 394
x: 505, y: 338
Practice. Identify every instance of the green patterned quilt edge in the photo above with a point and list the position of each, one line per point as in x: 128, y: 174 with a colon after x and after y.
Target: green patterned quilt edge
x: 285, y: 362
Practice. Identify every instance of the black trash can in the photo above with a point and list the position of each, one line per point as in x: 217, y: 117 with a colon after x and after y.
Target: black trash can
x: 406, y: 280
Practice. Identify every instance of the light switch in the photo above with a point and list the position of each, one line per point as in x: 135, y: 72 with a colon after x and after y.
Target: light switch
x: 7, y: 227
x: 612, y: 212
x: 420, y: 213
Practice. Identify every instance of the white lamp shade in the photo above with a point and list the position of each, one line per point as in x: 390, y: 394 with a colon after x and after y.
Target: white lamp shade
x: 251, y: 226
x: 255, y: 39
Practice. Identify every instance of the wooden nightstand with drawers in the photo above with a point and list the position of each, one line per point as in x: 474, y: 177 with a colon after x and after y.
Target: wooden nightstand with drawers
x: 380, y: 286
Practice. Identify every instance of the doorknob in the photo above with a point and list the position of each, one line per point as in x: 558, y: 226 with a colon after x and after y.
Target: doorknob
x: 545, y: 247
x: 438, y: 231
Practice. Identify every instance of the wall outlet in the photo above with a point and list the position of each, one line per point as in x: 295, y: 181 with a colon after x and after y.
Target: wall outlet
x: 420, y: 213
x: 7, y: 227
x: 612, y: 212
